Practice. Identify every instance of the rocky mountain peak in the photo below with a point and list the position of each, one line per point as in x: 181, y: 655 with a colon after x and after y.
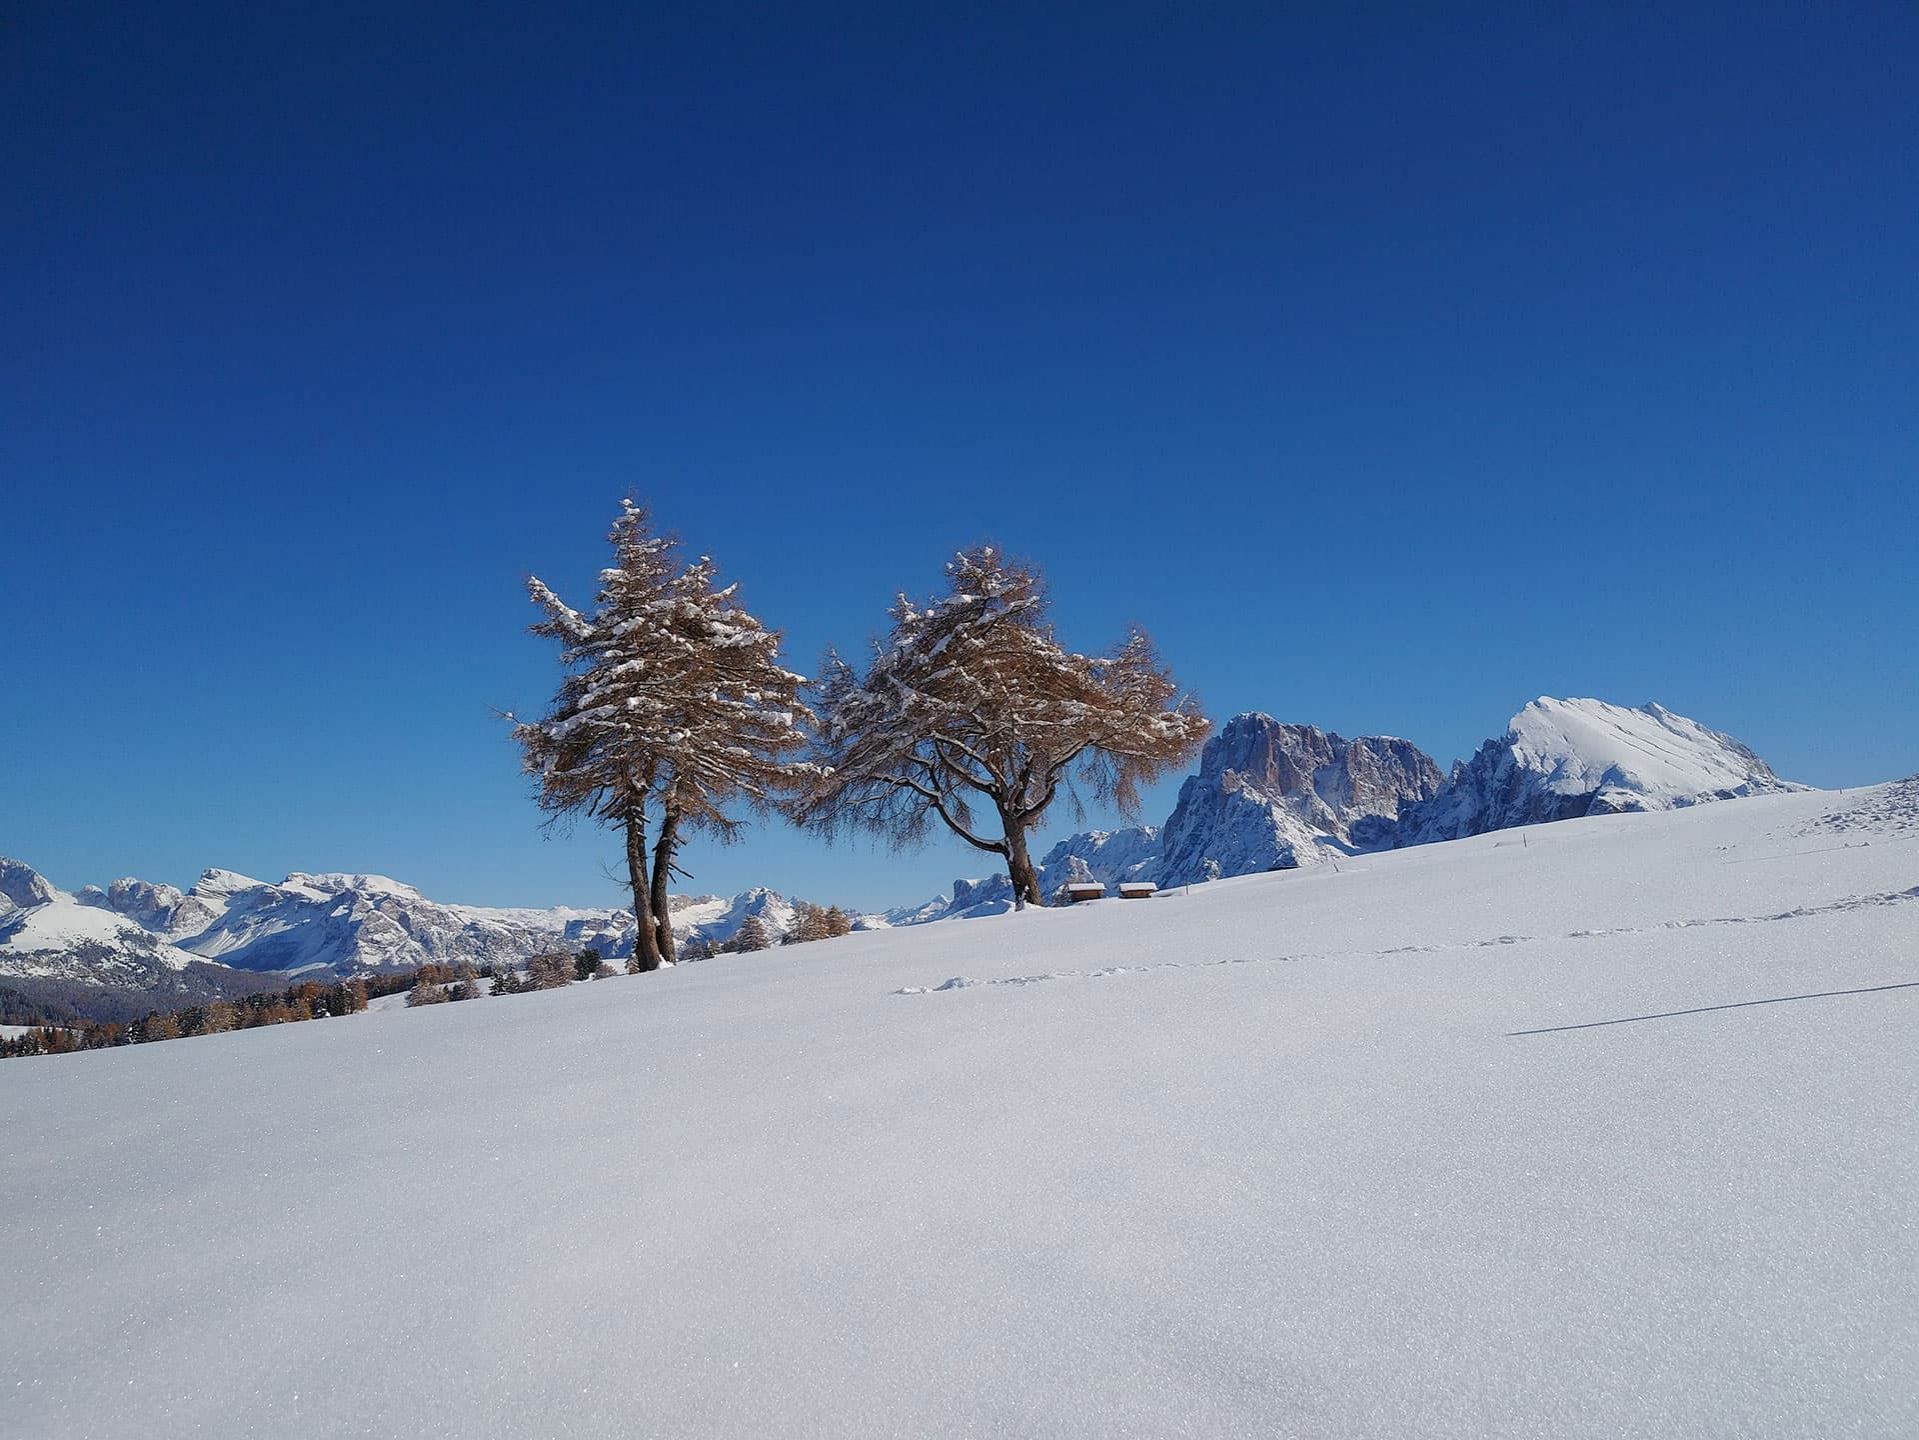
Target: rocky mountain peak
x: 1270, y: 795
x: 22, y: 885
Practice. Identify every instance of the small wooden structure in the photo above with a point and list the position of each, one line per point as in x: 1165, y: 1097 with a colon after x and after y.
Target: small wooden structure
x: 1137, y: 890
x: 1088, y: 890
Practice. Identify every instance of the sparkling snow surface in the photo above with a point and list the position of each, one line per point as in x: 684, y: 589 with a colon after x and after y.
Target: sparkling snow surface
x: 1603, y: 1128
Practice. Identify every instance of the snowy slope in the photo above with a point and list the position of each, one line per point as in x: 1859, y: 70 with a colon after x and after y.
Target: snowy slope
x: 1613, y: 1133
x: 1565, y: 758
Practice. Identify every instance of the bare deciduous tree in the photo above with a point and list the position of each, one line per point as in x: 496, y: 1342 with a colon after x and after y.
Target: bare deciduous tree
x: 972, y: 713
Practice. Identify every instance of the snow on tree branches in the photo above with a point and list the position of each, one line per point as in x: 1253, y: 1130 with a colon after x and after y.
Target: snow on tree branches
x: 674, y: 703
x: 973, y: 714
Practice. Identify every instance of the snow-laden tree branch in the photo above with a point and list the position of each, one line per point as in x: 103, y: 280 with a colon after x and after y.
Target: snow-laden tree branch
x: 674, y: 706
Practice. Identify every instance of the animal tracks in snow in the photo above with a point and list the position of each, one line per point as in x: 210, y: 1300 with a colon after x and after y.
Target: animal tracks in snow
x: 1851, y: 902
x: 1892, y: 811
x: 967, y: 982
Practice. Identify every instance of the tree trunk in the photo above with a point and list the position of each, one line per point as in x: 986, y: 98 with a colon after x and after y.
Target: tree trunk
x: 1019, y: 866
x: 663, y: 848
x: 646, y: 937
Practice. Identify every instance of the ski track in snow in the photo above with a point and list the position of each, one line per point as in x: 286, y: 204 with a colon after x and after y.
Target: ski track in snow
x: 1851, y: 902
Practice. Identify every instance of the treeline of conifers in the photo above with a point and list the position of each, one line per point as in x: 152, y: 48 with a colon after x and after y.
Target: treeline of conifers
x: 308, y: 1000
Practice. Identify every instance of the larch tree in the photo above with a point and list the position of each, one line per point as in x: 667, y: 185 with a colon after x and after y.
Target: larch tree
x: 750, y: 937
x: 972, y: 714
x: 809, y: 923
x: 674, y: 710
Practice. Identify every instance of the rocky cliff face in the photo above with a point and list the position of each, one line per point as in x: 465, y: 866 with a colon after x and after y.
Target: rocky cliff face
x: 1561, y: 759
x: 163, y: 909
x: 1269, y: 796
x: 21, y: 886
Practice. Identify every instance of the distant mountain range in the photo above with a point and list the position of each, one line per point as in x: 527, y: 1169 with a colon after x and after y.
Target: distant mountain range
x: 1267, y: 796
x: 1271, y: 796
x: 136, y: 946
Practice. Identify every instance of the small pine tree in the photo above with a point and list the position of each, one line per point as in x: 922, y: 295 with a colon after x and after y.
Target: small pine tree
x: 586, y: 964
x: 838, y: 922
x: 750, y: 936
x: 549, y: 972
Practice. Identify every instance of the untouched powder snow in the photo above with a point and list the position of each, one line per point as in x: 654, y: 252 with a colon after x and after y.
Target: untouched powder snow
x: 1607, y: 1129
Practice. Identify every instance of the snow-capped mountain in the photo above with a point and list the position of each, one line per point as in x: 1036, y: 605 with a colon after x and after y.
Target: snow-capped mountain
x: 22, y: 887
x: 230, y: 930
x: 1108, y: 856
x: 44, y: 931
x: 56, y: 950
x: 1269, y: 796
x: 1564, y: 758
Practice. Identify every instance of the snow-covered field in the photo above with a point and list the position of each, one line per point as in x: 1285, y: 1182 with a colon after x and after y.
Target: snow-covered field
x: 1605, y: 1128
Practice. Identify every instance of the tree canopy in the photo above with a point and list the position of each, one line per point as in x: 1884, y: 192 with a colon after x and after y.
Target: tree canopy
x: 972, y: 714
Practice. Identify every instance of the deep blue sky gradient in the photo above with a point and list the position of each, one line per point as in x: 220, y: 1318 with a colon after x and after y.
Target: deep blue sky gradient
x: 1391, y: 367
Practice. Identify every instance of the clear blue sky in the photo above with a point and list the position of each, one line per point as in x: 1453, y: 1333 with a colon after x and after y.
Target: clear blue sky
x: 1391, y: 367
